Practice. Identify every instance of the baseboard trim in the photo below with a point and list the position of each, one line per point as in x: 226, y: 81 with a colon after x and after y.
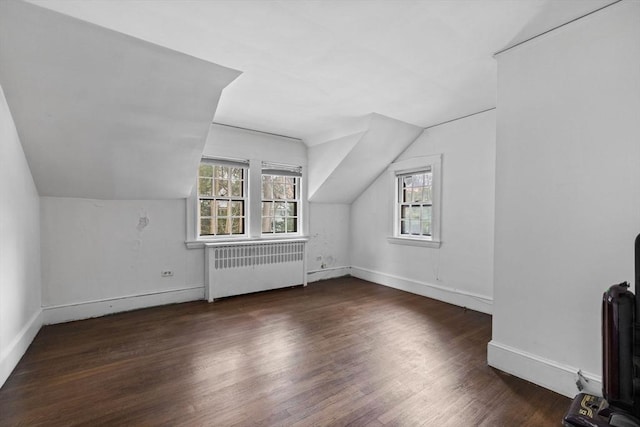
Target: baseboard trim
x: 10, y: 356
x: 85, y: 310
x: 481, y: 303
x: 546, y: 373
x: 327, y: 273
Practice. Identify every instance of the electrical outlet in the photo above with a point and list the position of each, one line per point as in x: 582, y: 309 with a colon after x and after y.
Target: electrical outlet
x: 166, y: 273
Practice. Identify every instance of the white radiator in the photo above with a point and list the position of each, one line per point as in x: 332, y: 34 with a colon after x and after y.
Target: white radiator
x: 242, y: 267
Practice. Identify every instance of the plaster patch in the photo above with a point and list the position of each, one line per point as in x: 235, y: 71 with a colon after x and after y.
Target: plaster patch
x: 143, y: 221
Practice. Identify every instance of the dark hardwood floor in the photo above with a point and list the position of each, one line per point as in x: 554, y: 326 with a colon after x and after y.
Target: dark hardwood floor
x: 339, y: 352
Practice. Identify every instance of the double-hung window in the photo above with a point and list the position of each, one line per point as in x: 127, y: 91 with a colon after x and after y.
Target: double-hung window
x: 280, y: 199
x: 415, y: 203
x: 416, y: 218
x: 222, y: 197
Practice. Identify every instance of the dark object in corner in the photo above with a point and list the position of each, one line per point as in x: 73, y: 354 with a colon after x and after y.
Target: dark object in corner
x: 620, y: 406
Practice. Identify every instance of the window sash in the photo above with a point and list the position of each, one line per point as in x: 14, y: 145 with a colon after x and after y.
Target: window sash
x: 414, y: 214
x: 224, y: 219
x: 280, y: 209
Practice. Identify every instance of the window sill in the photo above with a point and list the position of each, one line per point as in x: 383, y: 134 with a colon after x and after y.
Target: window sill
x: 414, y: 242
x: 199, y: 244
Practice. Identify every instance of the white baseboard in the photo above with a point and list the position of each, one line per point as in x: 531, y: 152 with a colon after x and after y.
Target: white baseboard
x: 543, y: 372
x: 481, y: 303
x: 12, y: 354
x: 85, y: 310
x: 327, y: 273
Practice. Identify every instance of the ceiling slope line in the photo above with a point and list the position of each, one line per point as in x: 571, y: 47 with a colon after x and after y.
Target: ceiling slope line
x: 460, y: 118
x: 555, y: 28
x: 256, y: 130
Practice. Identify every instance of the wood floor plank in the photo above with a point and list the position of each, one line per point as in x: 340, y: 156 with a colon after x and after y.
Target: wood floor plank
x: 339, y: 352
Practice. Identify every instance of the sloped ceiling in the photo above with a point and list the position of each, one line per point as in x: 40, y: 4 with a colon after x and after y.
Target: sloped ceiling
x: 113, y: 99
x: 373, y: 150
x: 101, y: 114
x: 312, y: 68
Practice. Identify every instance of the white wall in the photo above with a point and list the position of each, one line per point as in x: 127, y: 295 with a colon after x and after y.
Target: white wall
x: 328, y: 248
x: 105, y: 256
x: 101, y: 256
x: 20, y: 317
x: 567, y: 193
x: 461, y: 270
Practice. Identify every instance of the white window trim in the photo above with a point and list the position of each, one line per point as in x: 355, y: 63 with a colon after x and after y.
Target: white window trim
x: 284, y: 170
x: 415, y: 164
x: 253, y: 214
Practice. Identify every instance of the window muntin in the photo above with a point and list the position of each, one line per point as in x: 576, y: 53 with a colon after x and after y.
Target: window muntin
x: 280, y: 203
x: 415, y: 203
x: 222, y: 201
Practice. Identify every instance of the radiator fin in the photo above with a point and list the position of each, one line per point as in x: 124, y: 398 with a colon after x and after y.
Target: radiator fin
x: 257, y: 254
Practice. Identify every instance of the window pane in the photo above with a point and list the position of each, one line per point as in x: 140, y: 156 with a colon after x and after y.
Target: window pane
x: 292, y: 225
x: 206, y: 170
x: 267, y: 224
x: 222, y: 208
x: 417, y: 194
x: 404, y: 212
x: 418, y: 180
x: 237, y: 174
x: 414, y: 212
x: 428, y: 179
x: 426, y: 213
x: 224, y: 172
x: 236, y: 188
x: 267, y: 187
x: 278, y: 191
x: 221, y: 187
x: 279, y: 225
x: 205, y: 207
x: 205, y: 226
x: 415, y: 227
x: 280, y: 209
x: 237, y: 225
x: 407, y: 196
x: 427, y: 195
x: 406, y: 181
x: 426, y: 228
x: 267, y: 208
x: 292, y: 209
x: 204, y: 186
x: 222, y: 226
x: 237, y: 208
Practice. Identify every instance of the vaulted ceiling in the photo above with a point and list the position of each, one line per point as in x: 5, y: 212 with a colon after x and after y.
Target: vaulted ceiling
x: 113, y: 98
x: 312, y: 69
x: 101, y: 114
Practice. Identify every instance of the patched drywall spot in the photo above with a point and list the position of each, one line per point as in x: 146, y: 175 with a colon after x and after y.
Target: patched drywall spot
x: 143, y: 221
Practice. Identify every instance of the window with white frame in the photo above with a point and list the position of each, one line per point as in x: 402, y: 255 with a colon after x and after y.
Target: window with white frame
x: 416, y: 216
x: 280, y: 199
x: 415, y: 203
x: 222, y: 197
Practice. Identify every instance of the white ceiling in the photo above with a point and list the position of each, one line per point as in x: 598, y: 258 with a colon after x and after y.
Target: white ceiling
x: 314, y: 69
x: 101, y: 114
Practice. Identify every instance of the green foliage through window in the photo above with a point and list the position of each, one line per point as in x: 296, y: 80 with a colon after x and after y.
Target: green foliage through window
x: 221, y: 198
x: 280, y: 204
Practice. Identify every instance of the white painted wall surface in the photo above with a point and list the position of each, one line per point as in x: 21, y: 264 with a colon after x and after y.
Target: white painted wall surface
x: 328, y: 248
x: 20, y: 297
x: 98, y: 252
x: 461, y: 270
x: 567, y: 193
